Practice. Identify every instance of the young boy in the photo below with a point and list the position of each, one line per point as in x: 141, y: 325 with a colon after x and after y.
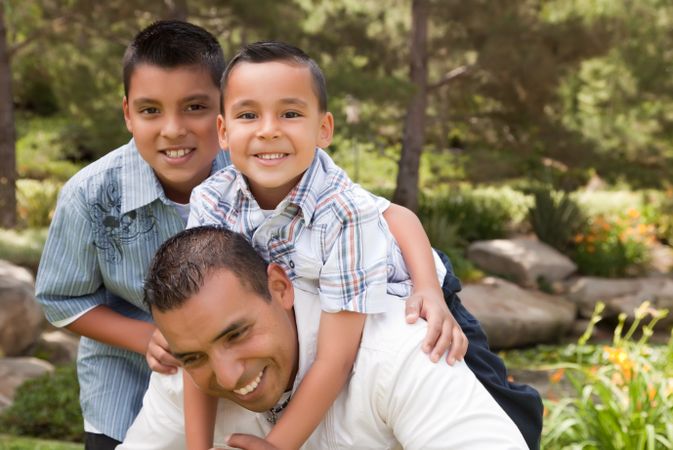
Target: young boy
x: 113, y: 215
x: 301, y: 211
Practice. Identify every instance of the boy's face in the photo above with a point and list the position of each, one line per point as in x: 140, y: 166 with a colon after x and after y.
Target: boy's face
x: 272, y: 125
x: 172, y: 115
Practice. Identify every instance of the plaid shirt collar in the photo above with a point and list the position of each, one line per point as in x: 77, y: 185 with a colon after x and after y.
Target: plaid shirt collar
x: 303, y: 195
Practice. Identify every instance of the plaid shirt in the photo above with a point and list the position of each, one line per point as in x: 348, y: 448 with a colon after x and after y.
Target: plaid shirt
x: 328, y: 234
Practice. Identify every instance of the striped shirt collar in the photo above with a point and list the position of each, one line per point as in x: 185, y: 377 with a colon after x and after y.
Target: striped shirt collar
x: 140, y: 186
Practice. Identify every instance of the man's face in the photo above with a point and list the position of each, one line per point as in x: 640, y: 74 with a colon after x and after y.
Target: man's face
x: 234, y: 343
x: 172, y: 115
x: 272, y: 124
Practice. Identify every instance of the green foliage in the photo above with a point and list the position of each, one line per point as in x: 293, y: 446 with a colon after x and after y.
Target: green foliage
x: 22, y: 443
x: 43, y: 148
x: 555, y: 219
x: 23, y: 247
x: 36, y: 202
x: 485, y: 213
x: 47, y: 407
x: 624, y: 396
x: 614, y: 246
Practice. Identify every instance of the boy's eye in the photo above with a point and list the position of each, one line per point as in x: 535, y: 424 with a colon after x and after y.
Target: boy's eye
x: 291, y: 115
x: 191, y: 360
x: 196, y: 107
x: 149, y: 110
x: 247, y: 116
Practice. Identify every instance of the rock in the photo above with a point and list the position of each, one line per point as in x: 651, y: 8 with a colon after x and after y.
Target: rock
x: 514, y: 317
x: 20, y: 315
x: 58, y: 347
x: 14, y: 371
x: 661, y: 259
x: 524, y: 260
x: 622, y: 296
x: 587, y: 291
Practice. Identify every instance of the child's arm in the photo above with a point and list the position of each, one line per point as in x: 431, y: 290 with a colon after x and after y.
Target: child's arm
x: 338, y: 342
x: 108, y: 326
x: 427, y: 300
x: 200, y: 410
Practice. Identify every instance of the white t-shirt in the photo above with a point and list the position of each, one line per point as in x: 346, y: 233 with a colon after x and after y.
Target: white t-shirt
x: 396, y: 398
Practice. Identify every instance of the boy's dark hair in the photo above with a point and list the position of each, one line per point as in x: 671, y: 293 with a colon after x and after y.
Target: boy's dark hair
x: 173, y: 43
x: 184, y: 262
x: 268, y: 51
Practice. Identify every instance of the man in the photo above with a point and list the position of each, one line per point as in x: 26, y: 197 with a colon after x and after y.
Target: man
x: 244, y: 334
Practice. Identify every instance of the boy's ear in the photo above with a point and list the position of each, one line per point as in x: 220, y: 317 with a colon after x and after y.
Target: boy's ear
x: 127, y: 115
x: 280, y: 286
x: 326, y: 130
x: 222, y: 132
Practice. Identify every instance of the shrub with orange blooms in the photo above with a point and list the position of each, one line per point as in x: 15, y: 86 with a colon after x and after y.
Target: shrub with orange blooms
x: 624, y: 393
x: 614, y: 246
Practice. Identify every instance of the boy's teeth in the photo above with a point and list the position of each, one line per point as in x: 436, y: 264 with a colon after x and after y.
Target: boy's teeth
x: 271, y: 155
x: 178, y: 153
x: 251, y: 387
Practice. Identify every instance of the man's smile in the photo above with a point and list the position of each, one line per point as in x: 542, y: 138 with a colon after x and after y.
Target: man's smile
x: 245, y: 390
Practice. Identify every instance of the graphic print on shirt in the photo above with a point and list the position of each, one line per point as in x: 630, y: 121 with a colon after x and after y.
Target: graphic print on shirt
x: 112, y: 230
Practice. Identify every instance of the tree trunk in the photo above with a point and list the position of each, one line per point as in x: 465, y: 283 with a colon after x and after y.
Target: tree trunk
x: 406, y: 192
x: 7, y: 137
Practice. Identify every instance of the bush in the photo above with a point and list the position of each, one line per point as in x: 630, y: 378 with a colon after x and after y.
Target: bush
x: 36, y: 202
x: 23, y: 247
x: 555, y: 219
x: 624, y: 399
x: 485, y: 213
x: 47, y: 407
x: 614, y: 246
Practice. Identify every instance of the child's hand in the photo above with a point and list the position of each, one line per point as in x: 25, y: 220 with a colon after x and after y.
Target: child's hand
x: 444, y: 333
x: 158, y: 356
x: 249, y: 442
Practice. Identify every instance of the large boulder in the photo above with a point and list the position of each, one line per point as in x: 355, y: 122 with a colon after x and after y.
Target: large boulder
x: 514, y: 317
x: 523, y: 260
x: 20, y: 315
x: 622, y: 295
x: 14, y: 371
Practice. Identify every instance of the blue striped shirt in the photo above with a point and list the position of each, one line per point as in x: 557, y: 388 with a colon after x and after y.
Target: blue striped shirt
x: 110, y: 219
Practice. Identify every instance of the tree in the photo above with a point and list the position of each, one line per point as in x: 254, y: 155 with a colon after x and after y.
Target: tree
x: 406, y: 192
x: 7, y: 133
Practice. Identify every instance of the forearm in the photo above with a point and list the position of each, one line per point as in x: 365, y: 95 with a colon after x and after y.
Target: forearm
x: 415, y: 246
x: 107, y: 326
x: 200, y: 411
x: 338, y: 344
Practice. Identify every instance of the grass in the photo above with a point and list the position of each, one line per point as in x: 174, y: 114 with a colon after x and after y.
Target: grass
x: 24, y: 443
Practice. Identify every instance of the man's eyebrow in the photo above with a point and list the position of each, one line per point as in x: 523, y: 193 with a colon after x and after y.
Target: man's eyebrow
x: 231, y: 328
x: 144, y: 100
x: 197, y: 98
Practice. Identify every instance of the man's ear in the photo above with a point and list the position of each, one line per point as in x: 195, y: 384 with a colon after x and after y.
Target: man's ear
x: 326, y: 130
x: 127, y: 115
x: 222, y: 132
x: 280, y: 286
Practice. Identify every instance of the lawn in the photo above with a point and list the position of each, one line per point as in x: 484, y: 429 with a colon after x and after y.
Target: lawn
x: 22, y: 443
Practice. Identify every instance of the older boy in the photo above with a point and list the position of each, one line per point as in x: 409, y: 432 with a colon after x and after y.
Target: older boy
x: 113, y: 215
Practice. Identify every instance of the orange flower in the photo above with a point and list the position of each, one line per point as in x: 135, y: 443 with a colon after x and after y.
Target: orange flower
x: 632, y: 213
x: 557, y: 375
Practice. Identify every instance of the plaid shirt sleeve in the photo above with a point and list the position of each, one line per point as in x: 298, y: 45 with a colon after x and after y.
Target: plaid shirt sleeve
x: 354, y: 272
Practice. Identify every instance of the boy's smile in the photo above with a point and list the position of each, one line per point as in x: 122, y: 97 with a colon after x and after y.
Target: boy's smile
x: 272, y: 124
x: 171, y: 114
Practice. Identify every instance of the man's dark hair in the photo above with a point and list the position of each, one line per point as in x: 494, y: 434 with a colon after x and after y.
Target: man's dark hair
x: 170, y: 44
x: 269, y: 51
x: 185, y: 261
